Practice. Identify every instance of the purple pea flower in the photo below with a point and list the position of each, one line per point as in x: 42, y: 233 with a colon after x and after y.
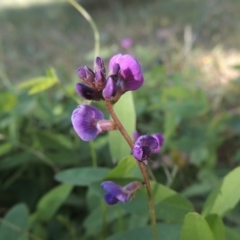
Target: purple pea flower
x: 116, y: 193
x: 125, y: 74
x: 143, y: 147
x: 95, y: 81
x: 88, y: 122
x: 130, y: 76
x: 158, y: 136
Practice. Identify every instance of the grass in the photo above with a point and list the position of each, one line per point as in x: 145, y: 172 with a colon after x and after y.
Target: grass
x: 39, y: 36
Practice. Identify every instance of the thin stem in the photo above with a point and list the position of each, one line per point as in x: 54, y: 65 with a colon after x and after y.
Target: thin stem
x: 92, y: 24
x: 140, y: 165
x: 168, y: 175
x: 41, y: 156
x: 93, y: 154
x: 150, y: 173
x: 104, y: 219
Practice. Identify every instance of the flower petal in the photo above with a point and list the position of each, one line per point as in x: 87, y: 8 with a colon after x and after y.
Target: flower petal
x: 84, y: 119
x: 144, y: 145
x: 160, y: 139
x: 130, y: 71
x: 87, y: 92
x: 110, y: 89
x: 110, y: 199
x: 115, y: 190
x: 135, y: 135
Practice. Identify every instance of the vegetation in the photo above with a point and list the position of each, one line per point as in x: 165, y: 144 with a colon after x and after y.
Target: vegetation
x: 50, y: 179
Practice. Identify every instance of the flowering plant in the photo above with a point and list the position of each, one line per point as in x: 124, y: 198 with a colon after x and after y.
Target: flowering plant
x: 125, y: 74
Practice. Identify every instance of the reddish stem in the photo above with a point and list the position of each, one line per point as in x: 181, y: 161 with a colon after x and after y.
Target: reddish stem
x: 141, y: 165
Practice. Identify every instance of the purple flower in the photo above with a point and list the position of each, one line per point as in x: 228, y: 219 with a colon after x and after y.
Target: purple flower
x: 158, y: 136
x: 88, y: 92
x: 143, y: 147
x: 88, y: 122
x: 110, y: 89
x: 136, y: 135
x: 125, y: 74
x: 160, y: 139
x: 116, y: 193
x: 127, y: 43
x: 130, y: 75
x: 95, y: 81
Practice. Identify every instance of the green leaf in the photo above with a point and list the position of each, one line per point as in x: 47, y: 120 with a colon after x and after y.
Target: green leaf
x: 125, y: 111
x: 226, y: 196
x: 197, y: 189
x: 40, y: 84
x: 136, y: 221
x: 126, y: 168
x: 81, y: 176
x: 15, y: 160
x: 195, y: 227
x: 59, y: 138
x: 170, y: 205
x: 216, y: 225
x: 95, y: 218
x: 7, y: 101
x: 15, y: 223
x: 51, y: 201
x: 231, y: 234
x: 5, y: 148
x: 165, y: 231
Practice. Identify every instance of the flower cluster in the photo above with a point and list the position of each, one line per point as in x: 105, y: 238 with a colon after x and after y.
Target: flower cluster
x: 125, y: 74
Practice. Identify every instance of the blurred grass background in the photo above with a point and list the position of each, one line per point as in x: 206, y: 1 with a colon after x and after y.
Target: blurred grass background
x: 34, y: 36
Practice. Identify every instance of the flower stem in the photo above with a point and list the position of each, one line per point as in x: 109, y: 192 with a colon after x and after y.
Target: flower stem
x: 141, y: 165
x: 87, y: 16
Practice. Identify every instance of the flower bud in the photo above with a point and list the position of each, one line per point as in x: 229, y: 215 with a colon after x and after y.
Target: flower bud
x: 110, y: 89
x: 88, y: 93
x: 99, y: 66
x: 87, y: 75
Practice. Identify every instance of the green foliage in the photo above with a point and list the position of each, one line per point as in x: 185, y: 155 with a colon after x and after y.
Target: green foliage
x: 51, y: 201
x: 216, y: 225
x: 196, y: 227
x: 40, y: 84
x: 118, y: 146
x: 224, y: 197
x: 166, y: 231
x: 126, y: 168
x: 14, y: 226
x: 81, y: 176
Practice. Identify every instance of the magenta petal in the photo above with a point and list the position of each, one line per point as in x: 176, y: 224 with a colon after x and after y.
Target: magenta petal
x: 130, y: 71
x: 84, y: 119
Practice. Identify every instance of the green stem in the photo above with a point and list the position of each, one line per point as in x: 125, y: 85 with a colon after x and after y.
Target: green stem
x: 150, y: 173
x: 140, y: 165
x: 104, y: 219
x: 93, y: 154
x: 92, y: 24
